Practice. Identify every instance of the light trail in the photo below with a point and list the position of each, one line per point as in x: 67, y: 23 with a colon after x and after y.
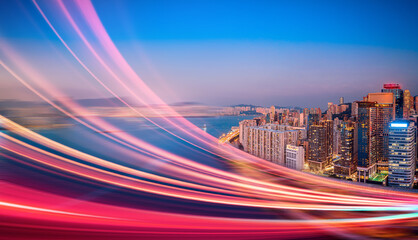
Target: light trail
x: 294, y: 205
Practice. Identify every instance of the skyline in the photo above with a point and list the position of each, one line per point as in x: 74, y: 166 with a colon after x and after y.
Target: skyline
x: 270, y: 58
x: 94, y: 146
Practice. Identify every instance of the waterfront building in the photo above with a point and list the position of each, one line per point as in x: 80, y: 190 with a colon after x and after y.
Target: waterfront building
x: 244, y: 131
x: 346, y: 166
x: 295, y: 157
x: 398, y: 97
x: 402, y: 153
x: 269, y: 141
x: 320, y: 145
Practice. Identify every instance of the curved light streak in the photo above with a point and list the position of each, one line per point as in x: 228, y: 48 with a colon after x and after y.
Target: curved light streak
x: 308, y: 207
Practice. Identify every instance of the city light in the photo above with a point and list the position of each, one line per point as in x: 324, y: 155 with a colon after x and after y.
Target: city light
x: 107, y: 132
x: 400, y: 125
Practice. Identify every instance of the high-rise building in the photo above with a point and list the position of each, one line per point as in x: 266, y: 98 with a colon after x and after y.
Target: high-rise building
x: 341, y: 100
x: 336, y: 142
x: 402, y: 153
x: 329, y: 114
x: 366, y: 165
x: 269, y: 141
x: 407, y: 104
x: 416, y: 104
x: 313, y: 118
x: 354, y: 109
x: 272, y: 114
x: 306, y: 116
x: 330, y: 104
x: 320, y: 145
x: 397, y: 96
x: 244, y: 131
x: 346, y: 166
x: 385, y: 113
x: 295, y: 157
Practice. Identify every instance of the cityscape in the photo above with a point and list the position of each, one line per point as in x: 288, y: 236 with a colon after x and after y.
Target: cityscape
x: 208, y: 120
x: 372, y: 140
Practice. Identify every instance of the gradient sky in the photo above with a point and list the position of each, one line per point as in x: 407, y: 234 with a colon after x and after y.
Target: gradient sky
x: 299, y: 53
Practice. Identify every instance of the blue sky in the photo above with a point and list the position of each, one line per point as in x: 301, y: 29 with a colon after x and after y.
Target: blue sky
x: 303, y: 53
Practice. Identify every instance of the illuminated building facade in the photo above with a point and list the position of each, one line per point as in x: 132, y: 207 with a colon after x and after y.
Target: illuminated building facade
x: 366, y: 165
x: 407, y: 104
x: 397, y: 97
x: 385, y: 113
x: 320, y: 145
x: 313, y: 118
x: 402, y: 153
x: 336, y: 141
x: 346, y: 166
x: 416, y: 104
x: 272, y: 115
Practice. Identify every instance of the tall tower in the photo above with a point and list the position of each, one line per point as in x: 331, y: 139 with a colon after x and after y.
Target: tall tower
x: 366, y: 165
x: 336, y: 142
x: 347, y: 165
x: 416, y: 103
x: 312, y: 120
x: 272, y: 114
x: 341, y: 100
x: 397, y: 97
x: 305, y: 116
x: 407, y: 104
x: 402, y: 154
x: 354, y: 109
x: 320, y: 137
x: 385, y: 113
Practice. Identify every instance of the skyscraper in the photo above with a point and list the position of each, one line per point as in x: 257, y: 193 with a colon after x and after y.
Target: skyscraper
x: 407, y: 104
x: 366, y: 165
x: 336, y: 142
x: 272, y: 114
x: 346, y: 166
x: 305, y: 116
x: 341, y: 100
x: 402, y: 153
x: 385, y: 113
x: 320, y: 145
x: 313, y: 118
x: 397, y: 97
x: 354, y: 109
